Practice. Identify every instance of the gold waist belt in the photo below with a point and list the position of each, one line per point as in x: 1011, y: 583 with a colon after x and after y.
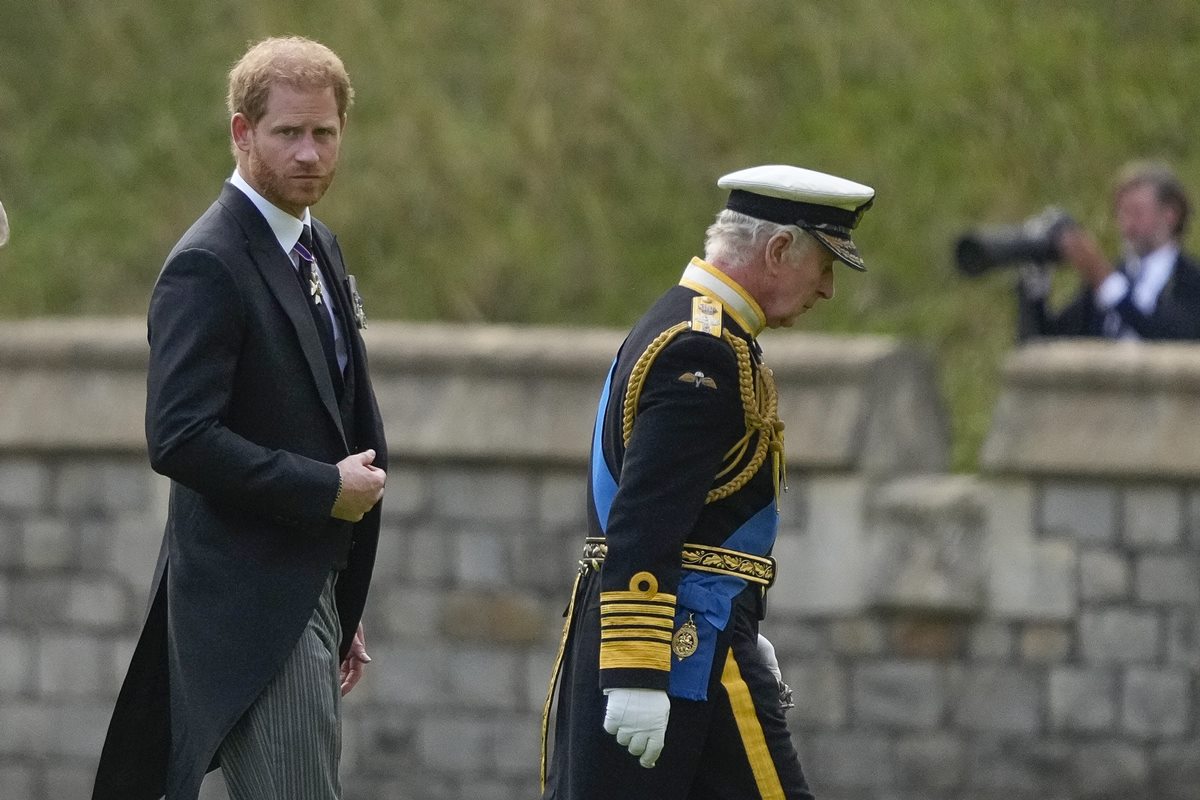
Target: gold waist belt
x: 699, y: 558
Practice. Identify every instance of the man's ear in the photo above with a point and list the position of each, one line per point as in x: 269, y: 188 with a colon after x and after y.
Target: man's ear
x: 777, y: 247
x: 241, y: 131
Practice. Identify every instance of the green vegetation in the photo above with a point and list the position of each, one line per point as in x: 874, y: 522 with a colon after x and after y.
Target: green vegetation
x: 555, y: 161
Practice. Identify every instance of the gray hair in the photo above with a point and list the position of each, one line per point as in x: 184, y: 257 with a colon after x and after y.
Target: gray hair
x: 734, y: 237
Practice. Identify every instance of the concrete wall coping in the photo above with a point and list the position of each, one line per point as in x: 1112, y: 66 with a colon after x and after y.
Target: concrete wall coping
x: 488, y: 392
x: 1098, y: 409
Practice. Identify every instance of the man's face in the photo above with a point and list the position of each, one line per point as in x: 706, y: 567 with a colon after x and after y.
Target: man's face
x: 799, y: 282
x: 290, y: 155
x: 1146, y: 224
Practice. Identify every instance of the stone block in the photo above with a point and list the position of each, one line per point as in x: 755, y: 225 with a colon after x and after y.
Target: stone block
x: 1183, y: 639
x: 1082, y: 700
x: 1001, y: 766
x: 408, y: 493
x: 394, y: 554
x: 1119, y: 636
x: 69, y: 780
x: 920, y: 637
x: 796, y: 637
x: 1156, y: 703
x: 1113, y: 769
x: 47, y: 543
x: 489, y: 789
x: 484, y: 678
x: 477, y: 495
x: 1046, y: 643
x: 999, y: 699
x: 899, y: 695
x: 858, y: 636
x: 213, y: 787
x: 104, y: 486
x: 384, y: 740
x: 17, y: 781
x: 1168, y: 579
x: 409, y: 674
x: 1103, y: 576
x: 562, y: 500
x: 926, y: 545
x: 457, y: 743
x: 546, y: 561
x: 18, y: 662
x: 24, y: 485
x: 77, y: 728
x: 1083, y: 512
x: 72, y: 665
x: 481, y: 558
x: 1153, y: 516
x: 133, y: 552
x: 1028, y: 578
x: 930, y: 762
x: 402, y: 611
x: 429, y: 556
x: 516, y: 744
x: 100, y: 603
x: 503, y: 616
x: 990, y: 641
x: 1175, y: 771
x: 818, y: 690
x: 539, y: 665
x: 823, y: 571
x: 11, y: 558
x: 851, y: 761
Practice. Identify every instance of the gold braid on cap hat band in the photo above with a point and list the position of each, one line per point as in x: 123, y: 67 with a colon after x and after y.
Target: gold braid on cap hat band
x: 760, y: 404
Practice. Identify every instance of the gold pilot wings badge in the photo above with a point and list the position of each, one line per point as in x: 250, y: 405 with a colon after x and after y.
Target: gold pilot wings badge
x: 698, y: 379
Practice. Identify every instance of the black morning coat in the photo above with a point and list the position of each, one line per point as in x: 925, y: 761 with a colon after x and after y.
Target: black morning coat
x: 243, y: 417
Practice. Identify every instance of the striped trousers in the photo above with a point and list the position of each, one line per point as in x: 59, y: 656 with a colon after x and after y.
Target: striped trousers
x: 288, y: 743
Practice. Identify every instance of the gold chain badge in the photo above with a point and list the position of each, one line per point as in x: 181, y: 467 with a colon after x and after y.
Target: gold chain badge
x: 686, y: 640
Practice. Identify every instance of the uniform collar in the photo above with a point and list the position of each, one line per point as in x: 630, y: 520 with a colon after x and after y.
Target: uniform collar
x: 287, y: 229
x: 702, y: 277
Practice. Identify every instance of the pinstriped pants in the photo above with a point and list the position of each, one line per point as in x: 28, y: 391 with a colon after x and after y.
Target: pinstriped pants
x: 288, y: 743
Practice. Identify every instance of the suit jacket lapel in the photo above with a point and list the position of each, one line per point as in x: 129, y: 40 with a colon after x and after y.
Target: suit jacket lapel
x: 280, y: 276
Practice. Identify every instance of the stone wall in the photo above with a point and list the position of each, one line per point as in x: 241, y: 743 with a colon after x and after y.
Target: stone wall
x: 1028, y: 632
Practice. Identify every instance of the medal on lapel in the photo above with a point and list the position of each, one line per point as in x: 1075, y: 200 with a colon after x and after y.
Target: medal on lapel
x: 314, y: 284
x: 360, y: 315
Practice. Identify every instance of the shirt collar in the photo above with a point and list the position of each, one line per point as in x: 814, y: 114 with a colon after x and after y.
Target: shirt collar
x: 702, y: 277
x: 287, y: 229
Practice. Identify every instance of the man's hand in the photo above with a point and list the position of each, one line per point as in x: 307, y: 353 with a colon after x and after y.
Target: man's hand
x: 638, y: 718
x: 1081, y: 250
x: 356, y: 659
x: 362, y: 486
x: 766, y: 654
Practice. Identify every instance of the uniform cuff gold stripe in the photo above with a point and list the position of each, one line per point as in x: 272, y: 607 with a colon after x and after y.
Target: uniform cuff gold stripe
x: 635, y: 655
x: 617, y: 620
x: 636, y: 610
x: 637, y: 634
x: 637, y: 597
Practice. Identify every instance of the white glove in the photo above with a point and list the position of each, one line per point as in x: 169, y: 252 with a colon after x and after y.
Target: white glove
x: 766, y: 653
x: 638, y: 718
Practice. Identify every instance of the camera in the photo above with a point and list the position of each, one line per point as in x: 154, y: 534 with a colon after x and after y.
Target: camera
x: 986, y: 248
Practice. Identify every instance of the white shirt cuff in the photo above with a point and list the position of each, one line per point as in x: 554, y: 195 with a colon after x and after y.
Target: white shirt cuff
x: 1112, y: 291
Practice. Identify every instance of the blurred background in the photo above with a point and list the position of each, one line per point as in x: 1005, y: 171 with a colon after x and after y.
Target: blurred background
x: 555, y: 162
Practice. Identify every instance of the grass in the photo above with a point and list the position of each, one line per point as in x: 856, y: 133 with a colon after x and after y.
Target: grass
x: 555, y: 162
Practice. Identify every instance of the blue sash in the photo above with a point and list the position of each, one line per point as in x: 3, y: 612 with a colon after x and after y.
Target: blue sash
x: 705, y: 597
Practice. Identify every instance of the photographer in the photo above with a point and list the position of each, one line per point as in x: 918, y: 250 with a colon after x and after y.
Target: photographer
x: 1153, y: 292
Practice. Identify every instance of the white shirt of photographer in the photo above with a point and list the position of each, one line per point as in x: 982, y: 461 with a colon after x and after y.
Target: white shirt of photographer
x: 1145, y: 278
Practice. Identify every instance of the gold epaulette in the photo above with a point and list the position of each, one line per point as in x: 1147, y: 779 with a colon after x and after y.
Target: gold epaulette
x: 636, y: 626
x: 760, y: 403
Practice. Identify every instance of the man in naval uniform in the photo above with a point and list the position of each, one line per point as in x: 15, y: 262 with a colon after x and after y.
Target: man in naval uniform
x: 666, y: 690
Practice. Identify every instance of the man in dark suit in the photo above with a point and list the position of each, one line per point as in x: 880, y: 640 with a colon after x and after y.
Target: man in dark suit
x: 260, y: 410
x: 1153, y: 292
x: 668, y: 691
